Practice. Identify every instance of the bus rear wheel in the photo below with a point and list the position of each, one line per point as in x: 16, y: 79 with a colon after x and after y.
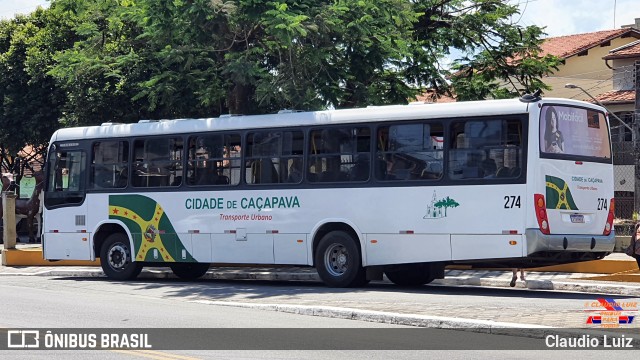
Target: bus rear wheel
x: 411, y: 275
x: 338, y: 261
x: 189, y: 271
x: 116, y: 260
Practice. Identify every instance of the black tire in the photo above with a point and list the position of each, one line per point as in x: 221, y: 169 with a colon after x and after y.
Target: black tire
x: 339, y: 262
x: 411, y: 275
x: 189, y: 271
x: 116, y: 260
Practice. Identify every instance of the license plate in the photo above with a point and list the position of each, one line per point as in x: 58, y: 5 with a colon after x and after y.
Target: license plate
x: 576, y: 218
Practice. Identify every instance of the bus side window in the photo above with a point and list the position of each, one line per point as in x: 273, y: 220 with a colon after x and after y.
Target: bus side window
x: 156, y: 159
x: 213, y: 159
x: 269, y: 154
x: 264, y: 171
x: 412, y: 151
x: 360, y: 169
x: 109, y: 160
x: 295, y: 171
x: 485, y: 149
x: 339, y: 154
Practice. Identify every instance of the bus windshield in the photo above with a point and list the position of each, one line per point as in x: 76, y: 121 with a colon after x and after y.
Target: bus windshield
x: 570, y: 132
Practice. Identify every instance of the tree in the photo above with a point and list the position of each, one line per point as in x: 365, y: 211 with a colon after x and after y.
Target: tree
x: 101, y: 70
x: 449, y: 203
x: 30, y: 101
x: 500, y: 59
x: 83, y: 62
x: 206, y: 57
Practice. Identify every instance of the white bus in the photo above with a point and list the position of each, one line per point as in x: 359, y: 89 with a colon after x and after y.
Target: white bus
x: 399, y: 190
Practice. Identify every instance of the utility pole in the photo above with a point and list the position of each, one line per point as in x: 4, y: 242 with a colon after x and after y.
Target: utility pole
x: 636, y: 139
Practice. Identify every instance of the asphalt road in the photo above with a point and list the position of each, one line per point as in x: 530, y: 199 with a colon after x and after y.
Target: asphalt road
x: 504, y: 305
x: 46, y: 302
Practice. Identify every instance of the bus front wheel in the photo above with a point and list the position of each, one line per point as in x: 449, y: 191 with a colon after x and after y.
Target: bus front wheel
x: 411, y: 275
x: 189, y: 271
x: 116, y: 260
x: 338, y: 261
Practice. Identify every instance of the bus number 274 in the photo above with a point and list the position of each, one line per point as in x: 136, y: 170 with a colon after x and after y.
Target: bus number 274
x: 511, y: 201
x: 602, y: 204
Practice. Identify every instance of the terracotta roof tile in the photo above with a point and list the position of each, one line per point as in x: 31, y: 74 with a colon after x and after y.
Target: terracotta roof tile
x: 617, y: 96
x: 626, y: 51
x: 566, y: 46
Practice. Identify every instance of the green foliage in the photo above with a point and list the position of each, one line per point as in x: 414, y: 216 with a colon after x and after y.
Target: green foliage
x: 501, y: 59
x: 30, y: 101
x: 84, y: 62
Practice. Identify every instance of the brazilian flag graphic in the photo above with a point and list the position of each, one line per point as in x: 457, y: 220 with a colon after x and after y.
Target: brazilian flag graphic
x: 558, y: 194
x: 150, y: 227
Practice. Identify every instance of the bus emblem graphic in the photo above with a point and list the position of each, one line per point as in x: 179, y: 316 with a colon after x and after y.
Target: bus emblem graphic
x: 150, y: 233
x: 154, y: 238
x: 438, y: 208
x: 558, y: 194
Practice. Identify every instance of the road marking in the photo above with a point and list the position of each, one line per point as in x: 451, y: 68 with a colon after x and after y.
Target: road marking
x: 158, y: 355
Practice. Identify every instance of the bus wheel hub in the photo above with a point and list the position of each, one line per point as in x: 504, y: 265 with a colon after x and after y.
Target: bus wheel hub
x: 117, y: 256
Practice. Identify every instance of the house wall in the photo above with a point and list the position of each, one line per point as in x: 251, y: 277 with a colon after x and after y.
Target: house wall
x: 589, y: 72
x: 623, y: 73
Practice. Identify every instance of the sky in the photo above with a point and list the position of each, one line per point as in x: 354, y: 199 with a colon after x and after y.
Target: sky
x: 567, y: 17
x: 561, y: 17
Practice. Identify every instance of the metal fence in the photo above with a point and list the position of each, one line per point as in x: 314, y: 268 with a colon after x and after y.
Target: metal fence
x: 624, y: 179
x: 624, y: 229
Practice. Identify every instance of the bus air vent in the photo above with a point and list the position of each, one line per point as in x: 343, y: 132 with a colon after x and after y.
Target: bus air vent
x: 529, y: 98
x: 80, y: 220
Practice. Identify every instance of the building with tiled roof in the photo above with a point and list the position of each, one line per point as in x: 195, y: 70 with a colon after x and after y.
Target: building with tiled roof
x: 584, y: 66
x: 631, y: 50
x: 617, y: 97
x: 579, y: 44
x: 620, y: 101
x: 601, y: 63
x: 622, y: 62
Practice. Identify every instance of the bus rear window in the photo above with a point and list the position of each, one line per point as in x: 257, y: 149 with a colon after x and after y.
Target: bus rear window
x: 573, y: 131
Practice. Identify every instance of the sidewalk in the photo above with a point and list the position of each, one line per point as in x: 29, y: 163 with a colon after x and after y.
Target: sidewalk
x: 625, y: 282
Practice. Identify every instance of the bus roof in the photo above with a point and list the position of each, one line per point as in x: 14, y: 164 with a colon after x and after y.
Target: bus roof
x: 289, y: 119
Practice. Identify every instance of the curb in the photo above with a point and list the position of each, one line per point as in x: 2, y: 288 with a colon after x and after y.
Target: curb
x: 426, y: 321
x: 34, y: 257
x: 612, y: 289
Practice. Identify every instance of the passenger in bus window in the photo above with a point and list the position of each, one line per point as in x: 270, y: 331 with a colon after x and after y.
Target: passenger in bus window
x: 489, y: 168
x: 554, y: 142
x: 634, y: 248
x: 295, y: 171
